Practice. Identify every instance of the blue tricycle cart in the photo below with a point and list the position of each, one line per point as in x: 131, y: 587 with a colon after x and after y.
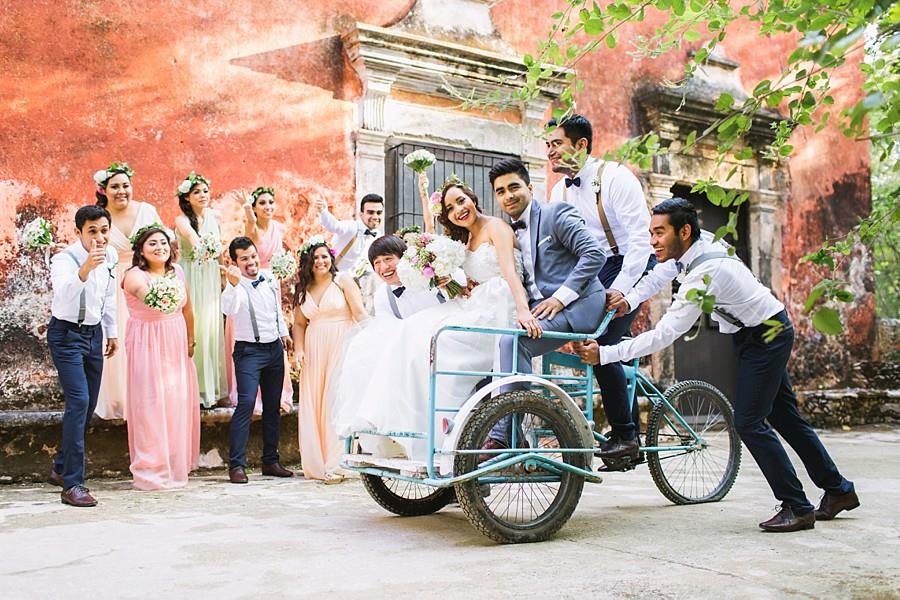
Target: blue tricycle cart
x: 527, y: 493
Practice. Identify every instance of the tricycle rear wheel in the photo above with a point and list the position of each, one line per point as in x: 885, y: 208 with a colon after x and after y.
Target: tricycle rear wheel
x: 406, y: 498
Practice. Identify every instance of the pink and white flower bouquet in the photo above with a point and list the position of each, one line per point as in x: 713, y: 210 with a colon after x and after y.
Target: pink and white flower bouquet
x: 428, y: 259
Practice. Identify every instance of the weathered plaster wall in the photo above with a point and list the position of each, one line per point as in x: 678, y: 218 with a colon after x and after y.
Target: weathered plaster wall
x: 259, y: 92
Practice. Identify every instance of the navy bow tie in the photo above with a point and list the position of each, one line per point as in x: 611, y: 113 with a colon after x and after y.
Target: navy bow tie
x: 371, y: 232
x: 575, y: 181
x: 516, y: 225
x: 258, y: 281
x: 399, y: 291
x: 679, y: 266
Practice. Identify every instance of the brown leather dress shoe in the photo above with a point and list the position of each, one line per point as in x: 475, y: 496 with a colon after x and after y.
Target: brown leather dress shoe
x: 237, y: 475
x: 276, y: 470
x: 786, y: 521
x: 78, y: 495
x: 832, y: 504
x: 55, y: 479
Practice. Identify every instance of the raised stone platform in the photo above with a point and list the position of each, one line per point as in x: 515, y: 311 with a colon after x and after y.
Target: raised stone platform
x: 850, y: 406
x: 29, y: 439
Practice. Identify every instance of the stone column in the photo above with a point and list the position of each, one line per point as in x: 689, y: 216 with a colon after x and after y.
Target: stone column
x: 765, y: 237
x: 371, y: 136
x: 533, y: 149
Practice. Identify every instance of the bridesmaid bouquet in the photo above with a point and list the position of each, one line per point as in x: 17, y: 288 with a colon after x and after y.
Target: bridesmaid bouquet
x: 430, y: 258
x: 208, y: 249
x: 284, y: 265
x: 165, y: 294
x: 38, y: 234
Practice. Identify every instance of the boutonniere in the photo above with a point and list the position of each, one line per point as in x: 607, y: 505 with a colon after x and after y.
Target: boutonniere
x: 595, y: 183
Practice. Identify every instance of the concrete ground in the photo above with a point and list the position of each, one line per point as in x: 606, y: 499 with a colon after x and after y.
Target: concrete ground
x: 299, y: 539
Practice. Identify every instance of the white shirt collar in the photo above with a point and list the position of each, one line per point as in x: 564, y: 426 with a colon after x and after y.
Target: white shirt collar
x: 525, y: 217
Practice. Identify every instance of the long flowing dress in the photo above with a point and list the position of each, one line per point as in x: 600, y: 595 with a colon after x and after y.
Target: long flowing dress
x: 270, y: 243
x: 329, y: 322
x: 114, y: 385
x: 163, y: 414
x: 204, y: 283
x: 384, y: 379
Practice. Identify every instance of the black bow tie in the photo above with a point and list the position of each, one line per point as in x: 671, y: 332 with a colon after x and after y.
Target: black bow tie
x: 575, y: 181
x: 371, y: 232
x: 399, y: 291
x: 258, y: 281
x: 679, y: 266
x: 516, y: 225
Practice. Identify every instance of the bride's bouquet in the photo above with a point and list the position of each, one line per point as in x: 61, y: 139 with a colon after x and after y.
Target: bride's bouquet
x: 284, y: 265
x: 165, y: 294
x: 207, y: 249
x: 430, y: 258
x: 419, y: 160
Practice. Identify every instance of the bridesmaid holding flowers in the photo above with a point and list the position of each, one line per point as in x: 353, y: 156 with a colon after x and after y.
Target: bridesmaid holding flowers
x: 163, y: 414
x: 115, y: 193
x: 201, y: 248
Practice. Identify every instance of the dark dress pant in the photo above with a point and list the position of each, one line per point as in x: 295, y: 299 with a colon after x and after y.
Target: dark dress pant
x: 624, y: 417
x: 257, y: 367
x: 765, y: 403
x: 77, y: 353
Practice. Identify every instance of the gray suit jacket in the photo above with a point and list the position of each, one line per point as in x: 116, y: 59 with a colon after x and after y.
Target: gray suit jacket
x: 566, y: 254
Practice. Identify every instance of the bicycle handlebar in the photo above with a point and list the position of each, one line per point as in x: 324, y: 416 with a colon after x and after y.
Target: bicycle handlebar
x: 557, y: 335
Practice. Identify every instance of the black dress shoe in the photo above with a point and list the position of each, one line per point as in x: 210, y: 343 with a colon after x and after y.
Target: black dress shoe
x: 55, y: 479
x: 237, y: 475
x: 276, y: 470
x: 786, y: 521
x: 79, y: 496
x: 832, y: 504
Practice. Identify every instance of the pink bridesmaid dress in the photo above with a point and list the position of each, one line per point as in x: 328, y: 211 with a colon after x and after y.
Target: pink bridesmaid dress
x: 163, y: 412
x: 329, y: 323
x: 271, y: 242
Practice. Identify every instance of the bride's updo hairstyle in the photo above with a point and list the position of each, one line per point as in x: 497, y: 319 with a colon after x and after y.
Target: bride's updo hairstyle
x: 455, y: 232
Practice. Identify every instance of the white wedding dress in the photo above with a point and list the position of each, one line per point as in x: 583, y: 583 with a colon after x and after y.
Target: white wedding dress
x: 384, y: 381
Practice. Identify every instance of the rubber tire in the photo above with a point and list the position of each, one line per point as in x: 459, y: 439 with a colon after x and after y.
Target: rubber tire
x: 405, y: 507
x: 476, y: 429
x: 734, y: 454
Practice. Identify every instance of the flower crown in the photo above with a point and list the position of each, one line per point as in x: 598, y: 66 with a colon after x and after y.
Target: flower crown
x: 313, y: 242
x: 141, y: 231
x: 114, y: 168
x: 190, y: 181
x: 454, y: 180
x: 408, y: 229
x: 255, y: 194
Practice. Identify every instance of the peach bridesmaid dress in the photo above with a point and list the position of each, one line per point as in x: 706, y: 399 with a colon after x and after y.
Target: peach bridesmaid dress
x: 329, y: 323
x: 271, y: 242
x: 163, y: 412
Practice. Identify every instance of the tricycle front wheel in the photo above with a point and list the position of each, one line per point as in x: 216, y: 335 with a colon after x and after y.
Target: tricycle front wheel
x: 406, y: 498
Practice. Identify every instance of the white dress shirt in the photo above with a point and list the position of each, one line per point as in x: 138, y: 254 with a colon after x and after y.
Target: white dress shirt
x: 343, y: 232
x: 269, y: 319
x: 736, y: 289
x: 408, y: 303
x: 662, y: 274
x: 100, y: 289
x: 523, y: 236
x: 626, y: 210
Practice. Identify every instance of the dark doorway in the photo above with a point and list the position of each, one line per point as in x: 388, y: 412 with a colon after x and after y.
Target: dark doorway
x: 709, y: 356
x: 402, y: 203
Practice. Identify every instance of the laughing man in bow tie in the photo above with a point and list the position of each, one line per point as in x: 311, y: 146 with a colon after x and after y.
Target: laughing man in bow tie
x: 261, y: 337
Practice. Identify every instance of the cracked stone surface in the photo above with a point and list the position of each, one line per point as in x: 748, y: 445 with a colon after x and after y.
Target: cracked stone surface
x: 298, y: 539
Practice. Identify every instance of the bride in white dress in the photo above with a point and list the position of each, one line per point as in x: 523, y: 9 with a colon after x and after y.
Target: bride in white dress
x: 384, y: 381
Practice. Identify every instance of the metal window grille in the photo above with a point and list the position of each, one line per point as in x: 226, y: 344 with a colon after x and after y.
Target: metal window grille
x: 402, y: 204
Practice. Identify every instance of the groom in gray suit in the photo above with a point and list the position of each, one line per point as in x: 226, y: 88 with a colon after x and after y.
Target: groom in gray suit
x: 562, y: 260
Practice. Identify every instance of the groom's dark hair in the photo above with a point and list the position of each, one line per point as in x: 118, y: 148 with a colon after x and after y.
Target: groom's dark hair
x: 681, y: 213
x: 507, y: 166
x: 386, y: 245
x: 239, y: 243
x: 575, y: 127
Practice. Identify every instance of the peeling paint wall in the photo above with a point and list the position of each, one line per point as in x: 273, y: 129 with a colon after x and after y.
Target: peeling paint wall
x: 260, y: 92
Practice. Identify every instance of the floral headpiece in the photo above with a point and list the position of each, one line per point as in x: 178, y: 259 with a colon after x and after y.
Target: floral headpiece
x: 104, y: 175
x: 255, y: 194
x: 454, y: 180
x: 408, y: 229
x: 190, y: 181
x: 313, y: 242
x: 141, y: 231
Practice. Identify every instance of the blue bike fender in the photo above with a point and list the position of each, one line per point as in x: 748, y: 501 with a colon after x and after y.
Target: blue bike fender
x: 484, y: 395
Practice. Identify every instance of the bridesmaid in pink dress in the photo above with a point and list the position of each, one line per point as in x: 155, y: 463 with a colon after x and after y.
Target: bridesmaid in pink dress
x: 328, y: 304
x: 163, y: 412
x: 268, y: 236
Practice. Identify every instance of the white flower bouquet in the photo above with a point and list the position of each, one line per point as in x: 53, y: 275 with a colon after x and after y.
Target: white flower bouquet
x: 207, y: 249
x: 284, y: 265
x: 165, y: 294
x: 419, y: 160
x: 430, y: 258
x: 37, y: 234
